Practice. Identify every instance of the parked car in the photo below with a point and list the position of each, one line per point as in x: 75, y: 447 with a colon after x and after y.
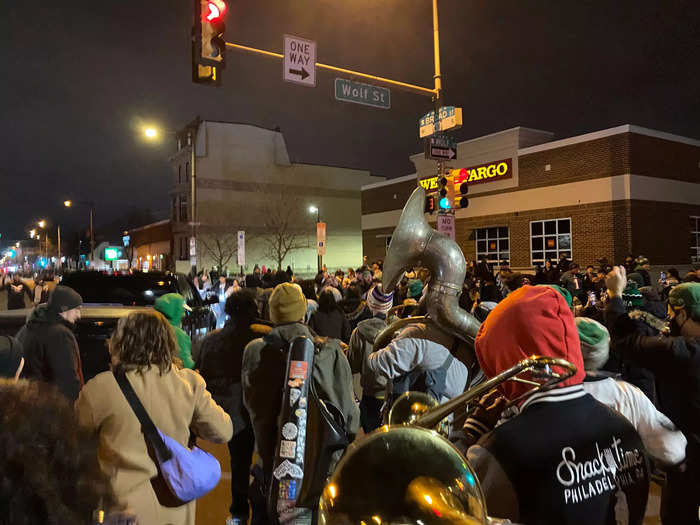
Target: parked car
x: 108, y: 296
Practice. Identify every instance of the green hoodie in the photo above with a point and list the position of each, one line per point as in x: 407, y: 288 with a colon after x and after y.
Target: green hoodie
x: 172, y: 306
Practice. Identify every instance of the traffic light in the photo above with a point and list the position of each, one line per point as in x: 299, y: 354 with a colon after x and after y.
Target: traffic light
x: 461, y: 179
x: 446, y: 190
x: 208, y: 43
x: 429, y: 204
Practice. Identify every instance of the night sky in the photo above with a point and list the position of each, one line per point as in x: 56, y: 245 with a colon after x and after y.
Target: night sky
x: 80, y: 78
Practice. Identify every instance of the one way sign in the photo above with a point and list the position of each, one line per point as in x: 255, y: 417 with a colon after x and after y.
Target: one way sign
x: 299, y: 64
x: 440, y: 147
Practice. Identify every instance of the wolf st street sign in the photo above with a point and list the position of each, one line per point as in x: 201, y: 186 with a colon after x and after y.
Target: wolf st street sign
x: 359, y: 93
x: 299, y: 64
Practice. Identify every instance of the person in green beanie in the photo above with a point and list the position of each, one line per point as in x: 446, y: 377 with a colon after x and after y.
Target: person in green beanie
x: 172, y: 306
x: 415, y: 289
x: 675, y: 362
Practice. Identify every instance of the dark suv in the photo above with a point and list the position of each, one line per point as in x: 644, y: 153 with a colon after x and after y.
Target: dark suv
x: 108, y: 296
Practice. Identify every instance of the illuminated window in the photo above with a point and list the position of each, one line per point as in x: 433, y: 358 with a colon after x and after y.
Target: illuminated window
x: 550, y: 239
x: 493, y: 243
x: 695, y: 239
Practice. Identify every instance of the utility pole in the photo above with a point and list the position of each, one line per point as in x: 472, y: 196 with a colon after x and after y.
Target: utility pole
x: 58, y: 254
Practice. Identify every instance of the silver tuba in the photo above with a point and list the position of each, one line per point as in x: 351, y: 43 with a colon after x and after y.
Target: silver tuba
x: 415, y: 243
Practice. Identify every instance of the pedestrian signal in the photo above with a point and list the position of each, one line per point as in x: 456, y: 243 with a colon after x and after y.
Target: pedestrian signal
x: 429, y: 204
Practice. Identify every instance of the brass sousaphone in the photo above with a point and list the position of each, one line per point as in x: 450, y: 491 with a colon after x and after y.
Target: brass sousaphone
x: 415, y: 243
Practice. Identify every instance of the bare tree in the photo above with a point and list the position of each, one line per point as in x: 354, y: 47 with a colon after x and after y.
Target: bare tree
x: 287, y: 226
x: 219, y: 246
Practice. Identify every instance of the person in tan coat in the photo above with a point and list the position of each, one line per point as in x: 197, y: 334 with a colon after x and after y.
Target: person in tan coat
x: 176, y: 399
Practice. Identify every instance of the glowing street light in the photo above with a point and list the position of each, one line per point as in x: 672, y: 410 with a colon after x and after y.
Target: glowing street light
x: 150, y: 133
x: 41, y: 223
x: 68, y: 204
x: 32, y: 233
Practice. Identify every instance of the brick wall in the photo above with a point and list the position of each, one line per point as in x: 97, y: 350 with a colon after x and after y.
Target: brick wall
x: 655, y: 157
x: 661, y: 231
x: 387, y: 198
x: 657, y: 230
x: 607, y: 157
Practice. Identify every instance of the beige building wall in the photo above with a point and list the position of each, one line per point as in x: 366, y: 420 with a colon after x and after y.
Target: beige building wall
x: 244, y: 175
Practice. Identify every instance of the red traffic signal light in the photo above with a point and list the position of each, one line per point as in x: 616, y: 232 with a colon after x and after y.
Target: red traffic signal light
x: 216, y: 9
x: 208, y: 43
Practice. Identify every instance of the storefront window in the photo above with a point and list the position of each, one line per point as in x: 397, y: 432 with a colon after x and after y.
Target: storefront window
x: 695, y: 239
x: 550, y: 239
x: 493, y: 243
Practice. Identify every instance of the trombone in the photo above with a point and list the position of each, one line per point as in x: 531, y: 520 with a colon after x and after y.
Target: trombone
x: 541, y: 373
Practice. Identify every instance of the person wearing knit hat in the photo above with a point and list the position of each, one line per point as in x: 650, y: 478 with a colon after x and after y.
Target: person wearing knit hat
x: 662, y: 440
x: 566, y: 294
x: 531, y: 466
x: 372, y: 386
x: 50, y: 349
x: 378, y: 302
x: 264, y: 374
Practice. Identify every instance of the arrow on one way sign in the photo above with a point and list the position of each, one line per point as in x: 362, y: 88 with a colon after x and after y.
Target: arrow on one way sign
x: 301, y: 72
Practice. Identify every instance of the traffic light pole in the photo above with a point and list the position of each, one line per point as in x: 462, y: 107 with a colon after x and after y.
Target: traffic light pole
x: 437, y: 78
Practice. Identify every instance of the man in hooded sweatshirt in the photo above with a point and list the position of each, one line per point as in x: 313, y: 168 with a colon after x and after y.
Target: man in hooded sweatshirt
x: 172, y: 306
x: 565, y: 458
x: 50, y: 349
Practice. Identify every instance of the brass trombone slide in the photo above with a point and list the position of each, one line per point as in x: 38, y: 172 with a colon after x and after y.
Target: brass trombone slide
x: 539, y: 366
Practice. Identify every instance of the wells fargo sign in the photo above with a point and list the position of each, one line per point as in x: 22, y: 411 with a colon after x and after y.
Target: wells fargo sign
x: 501, y: 169
x: 498, y: 170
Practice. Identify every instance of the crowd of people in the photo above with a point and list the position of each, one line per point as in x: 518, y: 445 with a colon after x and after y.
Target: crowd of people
x: 629, y: 413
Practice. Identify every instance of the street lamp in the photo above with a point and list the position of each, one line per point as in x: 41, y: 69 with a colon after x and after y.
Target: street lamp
x: 314, y: 209
x: 150, y: 133
x: 68, y: 204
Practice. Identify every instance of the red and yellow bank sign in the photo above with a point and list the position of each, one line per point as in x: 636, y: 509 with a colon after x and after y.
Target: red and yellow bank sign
x: 501, y: 169
x: 498, y: 170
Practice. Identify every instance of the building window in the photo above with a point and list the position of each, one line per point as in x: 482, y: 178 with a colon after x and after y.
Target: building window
x: 183, y: 248
x: 183, y: 208
x: 550, y: 239
x: 173, y: 210
x: 187, y: 172
x: 493, y: 243
x: 695, y: 239
x: 179, y: 174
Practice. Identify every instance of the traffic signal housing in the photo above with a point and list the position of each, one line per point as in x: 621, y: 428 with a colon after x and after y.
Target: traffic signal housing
x: 462, y: 186
x: 208, y: 43
x: 445, y: 190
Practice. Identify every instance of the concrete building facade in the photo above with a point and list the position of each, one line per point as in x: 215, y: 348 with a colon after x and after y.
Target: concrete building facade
x: 245, y: 181
x: 623, y: 190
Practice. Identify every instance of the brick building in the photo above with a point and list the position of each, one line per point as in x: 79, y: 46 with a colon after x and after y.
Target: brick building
x: 624, y: 190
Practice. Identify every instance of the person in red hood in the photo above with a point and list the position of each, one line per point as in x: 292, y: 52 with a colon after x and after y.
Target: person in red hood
x: 564, y: 458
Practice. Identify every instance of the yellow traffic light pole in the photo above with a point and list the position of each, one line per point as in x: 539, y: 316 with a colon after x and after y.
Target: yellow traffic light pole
x: 436, y: 92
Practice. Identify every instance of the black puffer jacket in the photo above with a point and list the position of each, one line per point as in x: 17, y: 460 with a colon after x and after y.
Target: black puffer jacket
x: 219, y: 363
x: 51, y: 351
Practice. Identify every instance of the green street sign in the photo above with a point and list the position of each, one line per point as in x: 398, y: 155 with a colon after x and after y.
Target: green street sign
x: 359, y: 93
